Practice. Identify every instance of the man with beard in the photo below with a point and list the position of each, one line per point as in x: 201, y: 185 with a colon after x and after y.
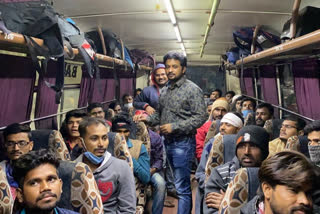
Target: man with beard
x: 17, y: 143
x: 287, y: 181
x: 291, y: 126
x: 264, y: 112
x: 148, y: 99
x: 219, y: 108
x: 40, y: 187
x: 113, y: 176
x: 251, y: 150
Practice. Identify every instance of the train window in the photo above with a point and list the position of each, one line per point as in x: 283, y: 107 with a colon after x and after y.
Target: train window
x: 287, y: 88
x: 69, y: 102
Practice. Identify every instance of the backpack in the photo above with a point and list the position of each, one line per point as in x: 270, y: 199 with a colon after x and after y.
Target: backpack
x: 243, y: 39
x: 142, y: 57
x: 113, y: 45
x: 37, y: 18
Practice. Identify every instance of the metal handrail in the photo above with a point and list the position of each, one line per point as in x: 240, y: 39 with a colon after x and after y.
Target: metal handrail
x: 281, y: 108
x: 57, y: 114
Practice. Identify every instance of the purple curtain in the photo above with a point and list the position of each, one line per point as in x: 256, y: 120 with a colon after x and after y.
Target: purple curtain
x: 126, y: 86
x: 247, y: 86
x: 86, y: 88
x: 17, y: 77
x: 269, y: 85
x: 306, y: 83
x: 45, y: 103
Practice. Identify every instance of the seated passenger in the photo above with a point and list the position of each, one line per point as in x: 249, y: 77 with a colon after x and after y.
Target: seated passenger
x: 141, y: 162
x: 251, y: 150
x: 17, y: 142
x: 287, y: 180
x: 313, y: 132
x: 70, y: 132
x: 116, y: 107
x: 217, y: 93
x: 231, y: 123
x: 291, y: 126
x: 96, y: 110
x: 40, y: 187
x: 236, y: 103
x: 219, y: 108
x: 248, y: 105
x: 149, y: 97
x: 264, y: 112
x: 229, y: 96
x: 113, y: 176
x: 156, y: 171
x: 127, y: 101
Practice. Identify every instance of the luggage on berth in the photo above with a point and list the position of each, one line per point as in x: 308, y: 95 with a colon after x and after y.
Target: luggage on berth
x: 243, y: 39
x: 307, y: 22
x: 37, y: 18
x: 141, y: 57
x: 113, y: 45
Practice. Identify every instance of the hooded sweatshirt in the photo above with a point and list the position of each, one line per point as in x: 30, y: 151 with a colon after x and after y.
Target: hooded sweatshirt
x: 115, y: 182
x: 149, y: 95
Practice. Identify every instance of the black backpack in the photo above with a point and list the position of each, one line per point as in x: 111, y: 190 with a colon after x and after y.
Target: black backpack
x: 37, y: 18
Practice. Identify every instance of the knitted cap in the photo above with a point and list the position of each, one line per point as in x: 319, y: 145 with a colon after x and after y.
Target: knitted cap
x: 159, y: 66
x: 221, y: 102
x: 256, y: 135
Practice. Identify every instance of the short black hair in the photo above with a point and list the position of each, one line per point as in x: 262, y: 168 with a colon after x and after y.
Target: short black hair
x: 16, y: 128
x: 136, y: 90
x: 218, y: 90
x: 268, y: 106
x: 122, y: 117
x: 94, y: 105
x: 88, y: 121
x: 30, y: 161
x: 313, y: 126
x: 300, y: 122
x: 75, y: 113
x: 114, y: 104
x: 124, y: 96
x: 249, y: 99
x: 231, y: 92
x: 177, y: 56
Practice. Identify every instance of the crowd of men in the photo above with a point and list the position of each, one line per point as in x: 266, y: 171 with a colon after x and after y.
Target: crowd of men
x: 184, y: 126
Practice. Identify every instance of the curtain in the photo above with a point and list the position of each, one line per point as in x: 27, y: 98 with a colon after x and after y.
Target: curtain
x: 45, y: 103
x: 247, y: 86
x: 269, y: 85
x: 86, y: 88
x: 306, y: 83
x: 126, y: 86
x: 17, y: 77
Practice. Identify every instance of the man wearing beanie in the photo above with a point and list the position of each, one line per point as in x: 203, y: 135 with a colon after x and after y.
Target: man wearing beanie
x: 219, y: 108
x: 313, y: 132
x: 251, y: 150
x: 149, y: 97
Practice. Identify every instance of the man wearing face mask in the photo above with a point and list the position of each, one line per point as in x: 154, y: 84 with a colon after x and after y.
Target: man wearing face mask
x: 117, y: 188
x: 313, y: 132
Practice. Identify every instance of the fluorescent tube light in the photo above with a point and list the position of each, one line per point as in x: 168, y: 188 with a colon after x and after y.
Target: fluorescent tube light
x: 177, y: 31
x: 170, y: 11
x: 182, y: 47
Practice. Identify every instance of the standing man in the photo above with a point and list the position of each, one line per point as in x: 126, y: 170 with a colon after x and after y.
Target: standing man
x: 181, y: 111
x: 148, y: 99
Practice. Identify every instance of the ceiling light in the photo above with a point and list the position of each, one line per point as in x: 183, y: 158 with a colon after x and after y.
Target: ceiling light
x: 177, y: 31
x: 182, y: 46
x: 170, y: 11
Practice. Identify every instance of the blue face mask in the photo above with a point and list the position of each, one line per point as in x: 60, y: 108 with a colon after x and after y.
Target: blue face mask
x: 93, y: 159
x: 246, y: 112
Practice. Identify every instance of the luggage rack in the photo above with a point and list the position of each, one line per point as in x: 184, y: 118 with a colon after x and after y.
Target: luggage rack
x: 16, y: 43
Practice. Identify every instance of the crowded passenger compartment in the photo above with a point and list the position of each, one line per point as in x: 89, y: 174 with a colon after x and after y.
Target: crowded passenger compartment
x: 159, y: 107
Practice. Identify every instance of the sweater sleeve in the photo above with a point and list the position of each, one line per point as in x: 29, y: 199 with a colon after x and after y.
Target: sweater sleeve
x: 141, y: 101
x: 200, y: 138
x: 141, y: 167
x: 127, y: 192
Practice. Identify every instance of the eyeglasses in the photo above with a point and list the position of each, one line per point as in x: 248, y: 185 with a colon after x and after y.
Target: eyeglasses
x: 11, y: 144
x: 287, y: 126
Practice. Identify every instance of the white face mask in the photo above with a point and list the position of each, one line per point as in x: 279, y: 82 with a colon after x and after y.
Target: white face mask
x: 128, y: 105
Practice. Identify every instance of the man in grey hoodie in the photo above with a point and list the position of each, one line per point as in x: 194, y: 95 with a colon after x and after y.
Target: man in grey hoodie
x: 313, y: 132
x: 113, y: 176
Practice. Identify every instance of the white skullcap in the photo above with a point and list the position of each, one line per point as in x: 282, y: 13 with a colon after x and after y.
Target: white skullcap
x: 232, y: 119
